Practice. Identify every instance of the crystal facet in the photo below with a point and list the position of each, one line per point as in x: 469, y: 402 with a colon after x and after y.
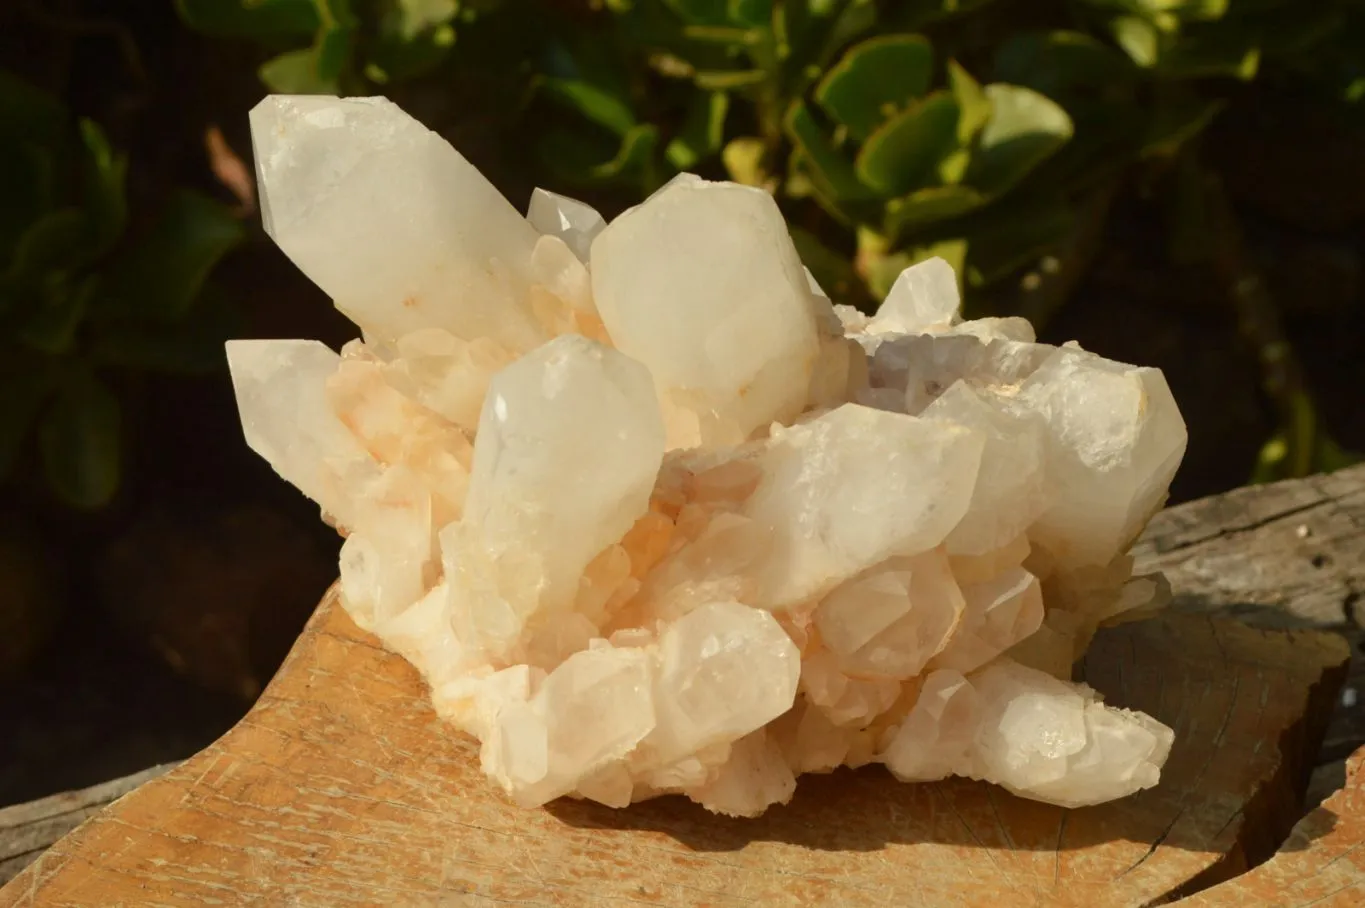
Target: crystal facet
x: 652, y: 515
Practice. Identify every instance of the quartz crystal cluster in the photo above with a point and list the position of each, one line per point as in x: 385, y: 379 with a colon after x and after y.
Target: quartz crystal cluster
x: 652, y: 515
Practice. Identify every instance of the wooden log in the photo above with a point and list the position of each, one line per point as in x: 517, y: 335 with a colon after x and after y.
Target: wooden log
x: 27, y: 830
x: 342, y: 788
x: 1321, y: 864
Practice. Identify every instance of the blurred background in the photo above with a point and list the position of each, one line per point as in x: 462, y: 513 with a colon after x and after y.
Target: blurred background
x: 1176, y: 183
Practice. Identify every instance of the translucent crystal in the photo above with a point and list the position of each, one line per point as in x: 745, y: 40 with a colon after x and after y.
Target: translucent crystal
x: 731, y: 345
x: 651, y: 515
x: 1046, y: 739
x: 1114, y: 439
x: 569, y: 443
x: 572, y: 221
x: 924, y: 298
x: 281, y: 389
x: 853, y: 488
x: 336, y: 174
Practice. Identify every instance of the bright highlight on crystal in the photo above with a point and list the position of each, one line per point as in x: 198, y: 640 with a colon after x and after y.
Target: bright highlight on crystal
x: 652, y: 516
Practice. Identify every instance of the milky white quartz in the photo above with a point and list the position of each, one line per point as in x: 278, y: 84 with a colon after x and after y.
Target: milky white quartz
x: 651, y: 515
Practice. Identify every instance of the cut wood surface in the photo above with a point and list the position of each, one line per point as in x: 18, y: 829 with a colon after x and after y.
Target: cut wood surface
x: 342, y: 788
x: 27, y: 830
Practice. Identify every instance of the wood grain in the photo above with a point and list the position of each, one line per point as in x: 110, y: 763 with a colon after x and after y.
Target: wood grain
x: 27, y: 830
x: 341, y: 788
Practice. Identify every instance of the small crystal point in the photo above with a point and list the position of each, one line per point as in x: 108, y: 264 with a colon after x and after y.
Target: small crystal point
x: 335, y: 174
x: 924, y: 298
x: 281, y: 390
x: 572, y: 221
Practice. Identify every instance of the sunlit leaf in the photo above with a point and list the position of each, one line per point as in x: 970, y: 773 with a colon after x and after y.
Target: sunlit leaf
x: 1025, y: 129
x: 874, y: 80
x: 904, y: 152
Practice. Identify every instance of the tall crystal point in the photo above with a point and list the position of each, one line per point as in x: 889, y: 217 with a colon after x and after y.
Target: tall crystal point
x: 569, y: 443
x: 391, y: 221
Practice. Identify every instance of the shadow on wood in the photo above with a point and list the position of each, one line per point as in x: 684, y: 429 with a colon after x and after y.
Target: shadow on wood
x: 341, y: 787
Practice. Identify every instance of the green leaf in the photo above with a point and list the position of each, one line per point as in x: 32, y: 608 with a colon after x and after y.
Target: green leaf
x: 905, y: 151
x: 576, y: 158
x: 701, y: 12
x: 415, y: 36
x: 250, y: 18
x: 828, y: 167
x: 59, y: 240
x: 1139, y: 38
x: 596, y: 104
x: 21, y: 397
x: 1212, y: 51
x: 749, y: 12
x: 728, y: 81
x: 875, y: 80
x: 1024, y: 130
x: 637, y: 148
x: 296, y: 72
x: 79, y: 441
x: 105, y: 176
x: 743, y: 158
x: 1177, y: 122
x: 161, y: 277
x: 702, y: 132
x: 972, y: 101
x: 929, y: 206
x: 974, y: 112
x: 1055, y: 63
x: 333, y: 41
x: 52, y: 329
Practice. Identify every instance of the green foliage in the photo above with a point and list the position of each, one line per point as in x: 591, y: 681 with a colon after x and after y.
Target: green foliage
x: 980, y: 130
x: 82, y: 291
x: 351, y: 44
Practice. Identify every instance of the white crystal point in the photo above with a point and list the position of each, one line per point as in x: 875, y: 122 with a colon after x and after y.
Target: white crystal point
x: 574, y: 222
x: 755, y: 777
x: 589, y: 713
x: 889, y: 622
x: 924, y: 298
x: 391, y: 221
x: 569, y: 443
x: 1114, y: 439
x: 854, y: 487
x: 725, y: 671
x: 1052, y: 741
x: 281, y: 390
x: 702, y: 284
x: 1008, y: 495
x: 997, y: 614
x: 936, y: 737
